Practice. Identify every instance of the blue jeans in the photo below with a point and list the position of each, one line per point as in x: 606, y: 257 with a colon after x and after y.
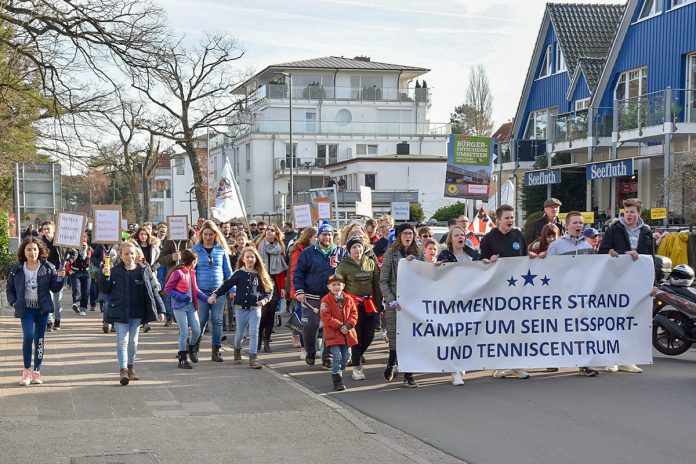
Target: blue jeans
x: 57, y: 297
x: 339, y: 358
x: 251, y: 318
x: 127, y: 341
x: 214, y: 312
x: 168, y: 311
x: 79, y: 281
x: 33, y: 330
x: 187, y: 316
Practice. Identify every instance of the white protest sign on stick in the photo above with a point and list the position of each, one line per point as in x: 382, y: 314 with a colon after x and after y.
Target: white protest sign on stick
x: 177, y: 228
x: 124, y: 225
x: 69, y: 229
x: 323, y: 209
x: 107, y: 224
x: 302, y: 213
x: 517, y: 313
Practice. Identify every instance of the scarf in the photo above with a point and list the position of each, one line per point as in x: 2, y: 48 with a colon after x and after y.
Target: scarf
x: 272, y: 255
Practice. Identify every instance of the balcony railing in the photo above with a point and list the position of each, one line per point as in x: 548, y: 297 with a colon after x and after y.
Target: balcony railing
x: 349, y: 128
x: 379, y: 197
x: 161, y: 194
x: 302, y: 165
x: 656, y: 108
x: 569, y: 127
x: 321, y: 92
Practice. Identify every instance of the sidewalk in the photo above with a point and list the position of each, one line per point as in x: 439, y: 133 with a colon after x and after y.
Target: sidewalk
x: 216, y: 412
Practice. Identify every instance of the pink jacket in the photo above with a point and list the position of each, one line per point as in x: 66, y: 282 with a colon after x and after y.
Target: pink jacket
x: 179, y: 282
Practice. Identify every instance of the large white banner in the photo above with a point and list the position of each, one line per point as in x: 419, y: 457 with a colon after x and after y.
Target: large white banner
x: 562, y: 311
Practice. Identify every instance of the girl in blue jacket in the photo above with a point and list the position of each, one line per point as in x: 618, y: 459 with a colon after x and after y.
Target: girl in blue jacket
x: 29, y: 288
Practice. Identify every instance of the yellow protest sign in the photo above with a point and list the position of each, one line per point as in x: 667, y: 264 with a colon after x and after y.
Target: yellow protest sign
x: 658, y: 213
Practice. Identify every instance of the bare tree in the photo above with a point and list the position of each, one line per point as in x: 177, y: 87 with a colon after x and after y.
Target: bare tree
x: 191, y: 90
x: 474, y: 116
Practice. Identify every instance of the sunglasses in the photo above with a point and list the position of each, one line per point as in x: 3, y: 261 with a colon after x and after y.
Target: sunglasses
x: 262, y: 229
x: 426, y: 236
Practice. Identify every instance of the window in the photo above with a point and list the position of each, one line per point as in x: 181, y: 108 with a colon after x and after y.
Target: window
x: 632, y: 84
x: 537, y: 122
x: 311, y: 122
x: 247, y: 191
x: 363, y: 149
x: 677, y: 3
x: 179, y: 164
x: 248, y: 157
x: 344, y: 117
x: 691, y: 86
x: 560, y: 59
x: 287, y: 153
x: 582, y: 104
x: 546, y: 64
x: 650, y: 8
x: 370, y: 180
x: 365, y: 87
x: 327, y: 154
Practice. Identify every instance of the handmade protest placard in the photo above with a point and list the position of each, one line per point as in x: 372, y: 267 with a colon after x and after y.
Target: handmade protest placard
x: 302, y: 213
x: 518, y: 313
x: 107, y: 224
x: 69, y: 229
x: 177, y: 228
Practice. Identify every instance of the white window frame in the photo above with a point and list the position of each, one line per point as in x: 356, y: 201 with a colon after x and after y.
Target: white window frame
x: 625, y: 78
x: 654, y: 10
x: 366, y: 149
x: 560, y: 60
x: 532, y: 121
x: 691, y: 88
x: 674, y: 5
x: 546, y: 64
x: 582, y: 104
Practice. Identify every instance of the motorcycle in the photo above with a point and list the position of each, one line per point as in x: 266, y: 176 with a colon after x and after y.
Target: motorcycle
x: 674, y: 308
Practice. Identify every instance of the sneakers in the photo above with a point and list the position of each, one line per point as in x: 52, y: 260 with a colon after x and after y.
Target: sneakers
x: 630, y: 368
x: 146, y: 327
x: 75, y: 308
x: 457, y: 378
x: 358, y: 373
x: 337, y: 382
x: 49, y: 326
x: 613, y: 368
x: 36, y: 378
x: 26, y: 378
x: 588, y: 372
x: 168, y: 323
x: 83, y: 312
x: 56, y: 324
x: 326, y: 364
x: 389, y: 373
x: 303, y: 355
x: 383, y: 334
x: 92, y: 308
x: 519, y: 373
x: 409, y: 381
x: 105, y: 327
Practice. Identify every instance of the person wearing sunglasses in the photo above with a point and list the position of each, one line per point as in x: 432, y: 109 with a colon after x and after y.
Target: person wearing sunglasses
x: 425, y: 233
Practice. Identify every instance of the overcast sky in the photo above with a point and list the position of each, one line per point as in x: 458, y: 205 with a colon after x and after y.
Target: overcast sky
x: 445, y: 36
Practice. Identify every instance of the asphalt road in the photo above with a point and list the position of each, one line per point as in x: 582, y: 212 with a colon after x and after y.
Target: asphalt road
x: 549, y: 418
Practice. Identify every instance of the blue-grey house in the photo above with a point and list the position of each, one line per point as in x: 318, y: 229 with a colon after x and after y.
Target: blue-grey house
x: 613, y: 84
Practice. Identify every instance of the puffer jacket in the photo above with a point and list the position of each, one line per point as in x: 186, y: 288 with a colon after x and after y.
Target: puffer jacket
x: 210, y: 276
x: 362, y: 279
x: 47, y: 280
x: 314, y: 268
x: 178, y: 285
x: 333, y: 316
x: 117, y: 287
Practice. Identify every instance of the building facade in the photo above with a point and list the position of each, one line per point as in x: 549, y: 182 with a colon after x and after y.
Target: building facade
x: 613, y: 86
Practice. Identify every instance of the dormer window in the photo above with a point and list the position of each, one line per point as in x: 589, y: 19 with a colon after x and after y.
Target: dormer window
x: 560, y: 59
x: 650, y: 8
x: 546, y: 65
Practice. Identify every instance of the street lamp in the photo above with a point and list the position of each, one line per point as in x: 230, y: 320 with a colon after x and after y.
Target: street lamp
x: 191, y: 204
x: 292, y: 152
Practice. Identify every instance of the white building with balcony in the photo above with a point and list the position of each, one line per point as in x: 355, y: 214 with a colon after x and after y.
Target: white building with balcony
x: 342, y: 109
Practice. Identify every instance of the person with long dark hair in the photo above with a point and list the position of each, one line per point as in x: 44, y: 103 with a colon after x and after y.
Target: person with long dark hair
x: 549, y: 234
x: 306, y: 239
x: 272, y: 253
x: 29, y: 288
x: 404, y: 246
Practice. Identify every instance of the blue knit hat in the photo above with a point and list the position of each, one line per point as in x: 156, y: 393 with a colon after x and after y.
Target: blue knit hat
x: 325, y: 227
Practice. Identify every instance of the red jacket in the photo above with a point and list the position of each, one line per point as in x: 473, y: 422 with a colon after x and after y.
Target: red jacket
x: 333, y: 317
x: 294, y: 256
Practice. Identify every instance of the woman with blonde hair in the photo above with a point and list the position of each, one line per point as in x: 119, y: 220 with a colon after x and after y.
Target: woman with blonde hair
x: 212, y: 269
x: 253, y: 289
x: 272, y: 253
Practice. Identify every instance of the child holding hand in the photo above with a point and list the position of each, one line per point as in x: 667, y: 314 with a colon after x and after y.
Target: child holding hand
x: 339, y: 314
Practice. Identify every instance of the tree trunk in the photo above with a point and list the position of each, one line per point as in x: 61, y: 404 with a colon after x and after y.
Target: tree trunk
x: 199, y: 181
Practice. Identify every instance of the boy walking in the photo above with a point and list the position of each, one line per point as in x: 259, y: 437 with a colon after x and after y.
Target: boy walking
x: 339, y: 315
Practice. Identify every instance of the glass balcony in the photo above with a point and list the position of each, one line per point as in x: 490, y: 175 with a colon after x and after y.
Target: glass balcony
x: 281, y: 166
x: 656, y: 108
x: 321, y: 92
x: 350, y: 128
x: 571, y: 127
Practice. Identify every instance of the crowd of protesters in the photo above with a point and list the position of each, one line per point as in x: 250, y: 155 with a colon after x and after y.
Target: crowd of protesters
x: 340, y: 285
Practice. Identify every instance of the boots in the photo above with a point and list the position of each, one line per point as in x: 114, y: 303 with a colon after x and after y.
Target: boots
x: 193, y: 351
x: 338, y: 382
x: 237, y: 356
x: 267, y: 346
x: 253, y: 362
x: 131, y: 373
x: 216, y: 355
x: 124, y: 377
x: 258, y: 345
x: 183, y: 360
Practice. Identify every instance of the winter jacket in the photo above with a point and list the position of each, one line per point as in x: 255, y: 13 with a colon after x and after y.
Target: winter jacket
x: 447, y: 256
x: 47, y: 280
x: 334, y: 316
x: 211, y: 275
x: 249, y: 289
x: 362, y: 279
x: 616, y: 238
x: 54, y: 256
x: 676, y: 248
x: 534, y: 230
x: 154, y: 253
x: 295, y: 252
x: 79, y: 258
x: 314, y: 268
x: 117, y: 287
x: 569, y: 245
x: 178, y: 288
x: 169, y: 248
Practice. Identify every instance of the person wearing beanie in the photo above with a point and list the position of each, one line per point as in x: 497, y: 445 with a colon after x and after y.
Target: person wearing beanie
x: 314, y: 266
x: 361, y: 277
x: 404, y: 246
x: 339, y: 316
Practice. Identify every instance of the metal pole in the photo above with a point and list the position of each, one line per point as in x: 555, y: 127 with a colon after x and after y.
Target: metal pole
x: 500, y: 177
x: 18, y: 218
x: 292, y: 151
x: 207, y: 172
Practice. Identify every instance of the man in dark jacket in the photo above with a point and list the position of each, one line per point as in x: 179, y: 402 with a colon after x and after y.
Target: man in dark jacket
x: 552, y: 207
x: 629, y: 236
x: 314, y: 266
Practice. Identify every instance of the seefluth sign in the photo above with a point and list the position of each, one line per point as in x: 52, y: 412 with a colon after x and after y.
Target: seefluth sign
x: 609, y: 169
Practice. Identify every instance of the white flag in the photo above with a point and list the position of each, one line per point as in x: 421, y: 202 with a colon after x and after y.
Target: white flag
x: 228, y: 200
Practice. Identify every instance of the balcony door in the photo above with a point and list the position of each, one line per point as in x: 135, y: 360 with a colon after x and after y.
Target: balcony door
x: 691, y: 87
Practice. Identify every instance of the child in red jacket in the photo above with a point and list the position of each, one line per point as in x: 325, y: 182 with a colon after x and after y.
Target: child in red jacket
x: 339, y: 315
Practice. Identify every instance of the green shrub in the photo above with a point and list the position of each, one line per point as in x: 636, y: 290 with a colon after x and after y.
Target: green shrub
x: 531, y: 217
x: 448, y: 212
